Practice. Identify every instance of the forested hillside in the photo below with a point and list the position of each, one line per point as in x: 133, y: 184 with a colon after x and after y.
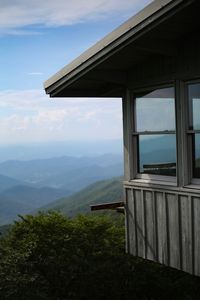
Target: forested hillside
x: 25, y: 186
x: 99, y: 192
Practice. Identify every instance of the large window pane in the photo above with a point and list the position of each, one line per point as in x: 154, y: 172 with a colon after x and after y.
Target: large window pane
x: 194, y: 124
x: 196, y: 155
x: 155, y: 111
x: 194, y: 106
x: 157, y: 154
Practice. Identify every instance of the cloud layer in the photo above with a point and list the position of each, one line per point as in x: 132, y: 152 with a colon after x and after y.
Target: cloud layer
x: 29, y: 115
x: 14, y: 15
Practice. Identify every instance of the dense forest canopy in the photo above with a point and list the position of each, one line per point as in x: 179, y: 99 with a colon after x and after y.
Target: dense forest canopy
x: 50, y: 256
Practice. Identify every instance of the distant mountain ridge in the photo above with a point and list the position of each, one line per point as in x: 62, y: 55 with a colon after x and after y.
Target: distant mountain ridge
x: 24, y: 199
x: 7, y: 182
x: 36, y: 196
x: 70, y: 173
x: 110, y: 190
x: 37, y: 183
x: 34, y: 151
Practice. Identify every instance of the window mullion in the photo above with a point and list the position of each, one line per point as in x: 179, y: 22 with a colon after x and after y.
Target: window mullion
x: 154, y: 132
x: 180, y: 129
x: 193, y: 131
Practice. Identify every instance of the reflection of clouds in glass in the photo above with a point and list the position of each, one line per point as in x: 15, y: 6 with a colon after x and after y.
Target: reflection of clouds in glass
x: 196, y: 113
x: 155, y: 114
x: 194, y: 105
x: 155, y: 111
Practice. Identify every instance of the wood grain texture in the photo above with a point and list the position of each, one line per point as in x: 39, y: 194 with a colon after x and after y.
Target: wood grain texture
x: 165, y: 227
x: 131, y: 222
x: 186, y: 234
x: 140, y: 223
x: 162, y: 239
x: 174, y: 230
x: 150, y: 223
x: 196, y: 235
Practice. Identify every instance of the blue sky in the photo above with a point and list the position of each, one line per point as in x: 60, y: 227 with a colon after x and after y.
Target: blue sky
x: 37, y: 38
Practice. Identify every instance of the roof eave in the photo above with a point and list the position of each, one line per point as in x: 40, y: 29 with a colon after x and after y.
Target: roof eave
x: 117, y: 39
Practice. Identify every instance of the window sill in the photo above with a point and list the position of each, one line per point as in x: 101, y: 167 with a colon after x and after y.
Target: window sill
x: 151, y: 183
x: 163, y: 186
x: 192, y: 186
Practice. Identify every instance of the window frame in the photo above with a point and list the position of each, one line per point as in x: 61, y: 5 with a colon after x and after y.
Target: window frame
x: 159, y: 179
x: 184, y: 171
x: 192, y: 182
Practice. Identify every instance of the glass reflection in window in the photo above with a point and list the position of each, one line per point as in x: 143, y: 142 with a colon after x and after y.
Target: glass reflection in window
x: 155, y: 111
x: 194, y: 124
x: 155, y: 127
x: 157, y: 154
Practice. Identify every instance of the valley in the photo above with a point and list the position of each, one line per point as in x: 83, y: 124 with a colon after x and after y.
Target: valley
x: 26, y: 186
x: 70, y: 183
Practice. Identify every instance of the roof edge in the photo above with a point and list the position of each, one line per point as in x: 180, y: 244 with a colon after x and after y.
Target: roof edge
x: 112, y: 37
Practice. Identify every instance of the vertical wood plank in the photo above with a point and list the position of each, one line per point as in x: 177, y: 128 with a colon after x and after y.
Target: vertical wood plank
x: 164, y: 227
x: 151, y: 233
x: 129, y: 162
x: 196, y: 225
x: 126, y: 220
x: 186, y: 234
x: 132, y: 242
x: 174, y: 230
x: 161, y: 228
x: 140, y: 226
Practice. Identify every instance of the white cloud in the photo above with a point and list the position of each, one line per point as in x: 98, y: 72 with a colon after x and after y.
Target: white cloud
x: 30, y: 115
x: 14, y: 123
x: 18, y: 14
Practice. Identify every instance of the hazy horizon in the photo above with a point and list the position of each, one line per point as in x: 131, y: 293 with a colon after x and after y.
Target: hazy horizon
x: 50, y: 149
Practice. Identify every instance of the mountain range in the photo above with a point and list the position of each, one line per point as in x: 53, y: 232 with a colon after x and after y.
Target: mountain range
x: 47, y: 150
x: 66, y: 183
x: 26, y: 186
x: 105, y: 191
x: 71, y: 173
x: 24, y: 199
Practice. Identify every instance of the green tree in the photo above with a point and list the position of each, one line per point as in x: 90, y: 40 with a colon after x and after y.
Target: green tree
x: 49, y: 256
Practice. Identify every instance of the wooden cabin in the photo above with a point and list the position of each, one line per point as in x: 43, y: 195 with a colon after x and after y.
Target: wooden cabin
x: 152, y: 62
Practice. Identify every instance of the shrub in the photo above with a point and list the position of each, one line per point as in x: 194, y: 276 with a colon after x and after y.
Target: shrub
x: 52, y: 257
x: 49, y: 256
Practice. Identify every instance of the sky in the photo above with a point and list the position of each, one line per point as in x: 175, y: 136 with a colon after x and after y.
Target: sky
x: 37, y: 38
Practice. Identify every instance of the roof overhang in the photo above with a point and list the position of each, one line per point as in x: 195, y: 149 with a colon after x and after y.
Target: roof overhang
x: 102, y: 70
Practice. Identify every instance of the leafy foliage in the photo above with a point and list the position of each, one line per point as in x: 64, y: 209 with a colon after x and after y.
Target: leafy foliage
x: 49, y: 256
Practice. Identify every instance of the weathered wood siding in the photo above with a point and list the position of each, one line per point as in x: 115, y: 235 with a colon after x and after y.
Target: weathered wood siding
x: 164, y: 226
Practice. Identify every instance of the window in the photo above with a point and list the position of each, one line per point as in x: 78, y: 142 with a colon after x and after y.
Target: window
x: 165, y: 139
x: 154, y: 130
x: 194, y: 127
